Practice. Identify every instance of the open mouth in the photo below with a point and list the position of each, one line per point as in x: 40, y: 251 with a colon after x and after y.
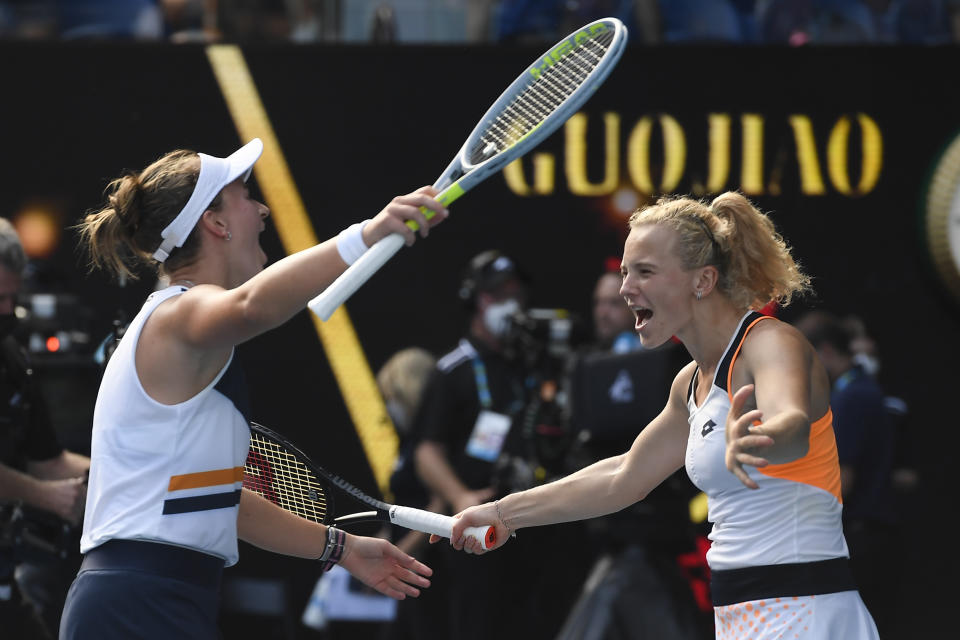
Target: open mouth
x: 643, y: 316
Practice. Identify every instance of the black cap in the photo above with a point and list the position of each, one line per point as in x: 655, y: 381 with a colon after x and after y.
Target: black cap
x: 487, y: 271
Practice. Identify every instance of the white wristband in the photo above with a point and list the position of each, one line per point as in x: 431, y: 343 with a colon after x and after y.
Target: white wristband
x: 350, y: 242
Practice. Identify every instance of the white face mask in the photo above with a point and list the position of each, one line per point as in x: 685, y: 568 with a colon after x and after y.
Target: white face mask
x: 496, y: 317
x: 870, y: 364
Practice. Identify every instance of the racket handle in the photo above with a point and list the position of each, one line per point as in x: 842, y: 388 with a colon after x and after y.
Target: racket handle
x: 438, y: 524
x: 356, y: 274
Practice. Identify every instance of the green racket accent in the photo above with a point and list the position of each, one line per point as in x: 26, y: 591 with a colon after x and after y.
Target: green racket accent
x: 531, y: 108
x: 566, y: 46
x: 445, y: 197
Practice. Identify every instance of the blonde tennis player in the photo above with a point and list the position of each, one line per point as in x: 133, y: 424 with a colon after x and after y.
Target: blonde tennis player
x: 749, y: 418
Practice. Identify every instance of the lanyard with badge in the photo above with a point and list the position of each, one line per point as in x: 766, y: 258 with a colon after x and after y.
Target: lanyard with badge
x: 490, y: 430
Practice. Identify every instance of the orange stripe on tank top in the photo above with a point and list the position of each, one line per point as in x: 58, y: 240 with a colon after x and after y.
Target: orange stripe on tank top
x: 206, y: 479
x: 820, y: 467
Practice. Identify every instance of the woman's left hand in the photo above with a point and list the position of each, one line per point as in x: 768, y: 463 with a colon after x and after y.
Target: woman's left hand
x: 394, y: 216
x: 379, y: 564
x: 742, y: 442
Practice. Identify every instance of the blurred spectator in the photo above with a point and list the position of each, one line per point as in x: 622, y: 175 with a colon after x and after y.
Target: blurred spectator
x: 705, y: 21
x: 866, y: 354
x: 546, y: 21
x: 135, y: 19
x: 920, y: 21
x: 479, y: 19
x: 953, y: 17
x: 793, y: 22
x: 42, y: 484
x: 529, y: 21
x: 865, y: 445
x: 613, y: 321
x: 179, y: 20
x: 190, y: 20
x: 800, y: 22
x: 247, y: 20
x: 402, y: 380
x: 473, y: 445
x: 28, y: 19
x: 383, y: 29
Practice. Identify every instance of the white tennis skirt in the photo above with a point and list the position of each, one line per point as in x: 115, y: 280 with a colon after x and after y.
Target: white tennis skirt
x: 831, y: 616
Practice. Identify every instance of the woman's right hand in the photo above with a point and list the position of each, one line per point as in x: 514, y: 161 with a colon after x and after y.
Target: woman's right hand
x: 484, y: 515
x: 394, y: 216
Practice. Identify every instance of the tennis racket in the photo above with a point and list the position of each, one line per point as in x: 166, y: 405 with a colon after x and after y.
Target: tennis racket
x: 284, y: 475
x: 551, y: 90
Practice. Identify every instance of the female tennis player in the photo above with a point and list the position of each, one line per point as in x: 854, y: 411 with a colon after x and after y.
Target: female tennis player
x: 749, y: 418
x: 170, y: 432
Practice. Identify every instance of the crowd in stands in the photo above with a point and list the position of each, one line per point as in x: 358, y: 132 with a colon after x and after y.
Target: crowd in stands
x: 745, y: 22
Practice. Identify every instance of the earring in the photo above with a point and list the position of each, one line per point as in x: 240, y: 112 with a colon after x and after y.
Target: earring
x: 229, y: 236
x: 699, y: 294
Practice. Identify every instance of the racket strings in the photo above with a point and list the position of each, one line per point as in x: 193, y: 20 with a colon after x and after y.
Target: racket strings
x: 541, y: 97
x: 277, y: 475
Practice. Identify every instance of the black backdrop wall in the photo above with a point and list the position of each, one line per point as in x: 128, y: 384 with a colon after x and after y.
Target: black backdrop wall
x: 837, y: 144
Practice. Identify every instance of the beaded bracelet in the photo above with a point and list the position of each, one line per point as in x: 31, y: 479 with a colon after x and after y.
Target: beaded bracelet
x: 350, y: 243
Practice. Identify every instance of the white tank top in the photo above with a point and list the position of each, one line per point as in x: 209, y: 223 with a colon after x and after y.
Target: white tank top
x: 795, y: 514
x: 166, y: 473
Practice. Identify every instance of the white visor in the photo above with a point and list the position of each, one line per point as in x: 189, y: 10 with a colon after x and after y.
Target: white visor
x: 215, y: 174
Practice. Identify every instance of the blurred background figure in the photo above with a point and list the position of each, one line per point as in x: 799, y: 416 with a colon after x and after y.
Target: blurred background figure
x: 701, y: 21
x: 866, y: 438
x: 648, y: 577
x: 613, y: 321
x: 383, y: 27
x: 42, y: 485
x: 483, y: 426
x: 111, y: 19
x: 402, y: 380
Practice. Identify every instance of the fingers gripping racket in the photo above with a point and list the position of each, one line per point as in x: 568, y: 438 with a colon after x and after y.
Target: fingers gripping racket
x: 284, y: 475
x: 551, y: 90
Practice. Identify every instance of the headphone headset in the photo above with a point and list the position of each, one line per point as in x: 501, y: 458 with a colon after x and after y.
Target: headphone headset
x: 486, y: 271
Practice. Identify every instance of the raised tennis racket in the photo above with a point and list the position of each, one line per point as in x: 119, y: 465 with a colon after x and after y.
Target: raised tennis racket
x: 551, y: 90
x: 284, y: 475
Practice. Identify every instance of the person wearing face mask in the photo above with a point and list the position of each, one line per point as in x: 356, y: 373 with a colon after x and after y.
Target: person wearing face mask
x: 866, y: 445
x: 36, y: 472
x: 469, y: 404
x: 467, y: 425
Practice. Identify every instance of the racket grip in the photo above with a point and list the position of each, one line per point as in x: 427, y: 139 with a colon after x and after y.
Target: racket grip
x: 438, y: 524
x: 356, y: 274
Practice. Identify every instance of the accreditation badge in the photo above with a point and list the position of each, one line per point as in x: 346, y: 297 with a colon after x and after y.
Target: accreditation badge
x: 488, y: 436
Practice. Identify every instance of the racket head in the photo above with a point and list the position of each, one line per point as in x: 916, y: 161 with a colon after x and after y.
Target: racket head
x: 543, y: 97
x: 280, y: 472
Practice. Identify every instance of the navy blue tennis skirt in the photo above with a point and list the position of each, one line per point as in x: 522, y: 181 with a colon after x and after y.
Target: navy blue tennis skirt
x: 128, y: 590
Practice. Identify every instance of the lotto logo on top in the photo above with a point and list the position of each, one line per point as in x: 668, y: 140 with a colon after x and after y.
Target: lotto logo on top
x: 566, y: 46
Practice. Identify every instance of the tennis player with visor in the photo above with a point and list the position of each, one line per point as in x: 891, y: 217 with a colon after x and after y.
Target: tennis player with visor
x: 165, y: 504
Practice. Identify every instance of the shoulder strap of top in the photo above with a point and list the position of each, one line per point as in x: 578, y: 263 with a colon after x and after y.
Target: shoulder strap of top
x: 725, y: 370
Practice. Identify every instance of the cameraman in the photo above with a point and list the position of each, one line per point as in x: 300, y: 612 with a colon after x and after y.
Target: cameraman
x: 35, y: 471
x: 465, y: 426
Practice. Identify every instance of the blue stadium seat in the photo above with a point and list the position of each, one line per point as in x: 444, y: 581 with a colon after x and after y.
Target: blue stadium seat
x: 815, y: 21
x: 110, y: 19
x: 920, y: 21
x: 700, y: 21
